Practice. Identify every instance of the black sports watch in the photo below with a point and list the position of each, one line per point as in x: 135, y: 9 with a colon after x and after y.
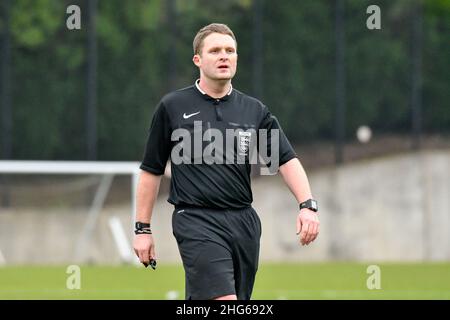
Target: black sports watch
x: 310, y: 204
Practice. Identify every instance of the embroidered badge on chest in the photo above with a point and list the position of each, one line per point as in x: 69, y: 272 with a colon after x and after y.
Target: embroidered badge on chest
x: 244, y: 143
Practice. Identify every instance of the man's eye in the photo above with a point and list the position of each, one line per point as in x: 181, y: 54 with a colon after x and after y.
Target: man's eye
x: 230, y: 51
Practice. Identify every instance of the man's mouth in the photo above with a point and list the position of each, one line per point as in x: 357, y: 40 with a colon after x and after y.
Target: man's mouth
x: 223, y: 67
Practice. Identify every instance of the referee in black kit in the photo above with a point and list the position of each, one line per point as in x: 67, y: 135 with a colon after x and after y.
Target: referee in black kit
x: 216, y: 229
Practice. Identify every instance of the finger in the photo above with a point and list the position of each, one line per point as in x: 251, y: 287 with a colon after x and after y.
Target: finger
x: 316, y: 231
x: 304, y: 233
x: 312, y: 233
x: 299, y: 225
x: 152, y: 253
x: 143, y: 257
x: 309, y: 233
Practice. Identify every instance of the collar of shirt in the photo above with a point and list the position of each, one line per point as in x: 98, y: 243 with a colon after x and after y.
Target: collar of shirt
x: 208, y: 97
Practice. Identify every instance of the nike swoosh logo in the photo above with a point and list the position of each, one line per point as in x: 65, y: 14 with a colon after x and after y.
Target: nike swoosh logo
x: 187, y: 116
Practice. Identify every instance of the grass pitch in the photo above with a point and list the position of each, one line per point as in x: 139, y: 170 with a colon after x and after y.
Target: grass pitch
x: 274, y: 281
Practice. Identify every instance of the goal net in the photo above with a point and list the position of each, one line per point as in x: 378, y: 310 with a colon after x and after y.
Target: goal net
x: 54, y: 212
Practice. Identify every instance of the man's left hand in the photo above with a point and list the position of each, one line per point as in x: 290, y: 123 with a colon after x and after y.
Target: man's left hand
x: 307, y: 226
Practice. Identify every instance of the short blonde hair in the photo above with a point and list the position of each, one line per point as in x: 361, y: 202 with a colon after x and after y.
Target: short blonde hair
x: 206, y: 31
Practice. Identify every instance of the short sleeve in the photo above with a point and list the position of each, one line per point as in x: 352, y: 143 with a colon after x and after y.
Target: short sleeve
x: 285, y: 151
x: 158, y: 147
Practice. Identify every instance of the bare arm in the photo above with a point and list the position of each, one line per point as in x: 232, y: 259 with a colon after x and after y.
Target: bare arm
x: 147, y: 192
x: 307, y: 220
x: 295, y: 177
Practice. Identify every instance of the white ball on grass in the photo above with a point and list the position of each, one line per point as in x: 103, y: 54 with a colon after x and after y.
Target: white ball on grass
x: 172, y: 295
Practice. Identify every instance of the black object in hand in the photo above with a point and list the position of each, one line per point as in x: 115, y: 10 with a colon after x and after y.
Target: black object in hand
x: 151, y: 264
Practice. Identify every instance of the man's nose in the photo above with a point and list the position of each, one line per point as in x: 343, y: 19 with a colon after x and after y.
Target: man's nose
x: 223, y: 55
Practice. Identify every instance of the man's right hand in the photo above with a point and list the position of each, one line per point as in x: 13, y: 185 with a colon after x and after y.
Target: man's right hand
x: 144, y: 247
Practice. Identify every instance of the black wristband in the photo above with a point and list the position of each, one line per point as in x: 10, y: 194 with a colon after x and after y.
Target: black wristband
x: 142, y: 231
x: 142, y: 228
x: 140, y: 225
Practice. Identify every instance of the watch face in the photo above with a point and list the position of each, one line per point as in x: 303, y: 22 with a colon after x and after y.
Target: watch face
x: 314, y: 204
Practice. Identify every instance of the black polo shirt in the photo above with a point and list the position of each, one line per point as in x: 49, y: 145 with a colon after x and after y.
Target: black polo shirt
x: 201, y: 183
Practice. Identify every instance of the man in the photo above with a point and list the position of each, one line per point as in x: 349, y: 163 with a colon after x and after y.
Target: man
x: 217, y: 231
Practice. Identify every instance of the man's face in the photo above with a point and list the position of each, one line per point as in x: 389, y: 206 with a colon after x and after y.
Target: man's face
x: 218, y: 58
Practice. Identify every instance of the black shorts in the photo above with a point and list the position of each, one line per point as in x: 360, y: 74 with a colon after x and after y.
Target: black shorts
x: 219, y: 249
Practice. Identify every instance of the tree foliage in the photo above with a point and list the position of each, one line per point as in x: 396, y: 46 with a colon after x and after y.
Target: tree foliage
x: 49, y: 62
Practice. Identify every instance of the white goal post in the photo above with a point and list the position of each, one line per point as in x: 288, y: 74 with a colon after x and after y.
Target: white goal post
x: 107, y: 169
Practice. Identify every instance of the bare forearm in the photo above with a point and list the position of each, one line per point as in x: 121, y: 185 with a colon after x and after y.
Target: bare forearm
x: 295, y: 177
x: 147, y: 192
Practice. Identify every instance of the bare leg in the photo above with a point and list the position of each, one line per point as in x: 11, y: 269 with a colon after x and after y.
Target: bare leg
x: 228, y: 297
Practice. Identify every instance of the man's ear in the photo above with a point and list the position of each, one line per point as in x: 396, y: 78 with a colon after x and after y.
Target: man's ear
x: 197, y: 60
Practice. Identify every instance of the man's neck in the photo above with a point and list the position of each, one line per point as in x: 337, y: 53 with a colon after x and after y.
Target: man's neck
x: 215, y: 88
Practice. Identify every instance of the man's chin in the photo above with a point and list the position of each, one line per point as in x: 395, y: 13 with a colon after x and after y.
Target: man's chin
x: 223, y: 77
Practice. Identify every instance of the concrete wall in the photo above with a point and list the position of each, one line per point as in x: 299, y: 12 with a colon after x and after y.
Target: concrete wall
x: 388, y: 209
